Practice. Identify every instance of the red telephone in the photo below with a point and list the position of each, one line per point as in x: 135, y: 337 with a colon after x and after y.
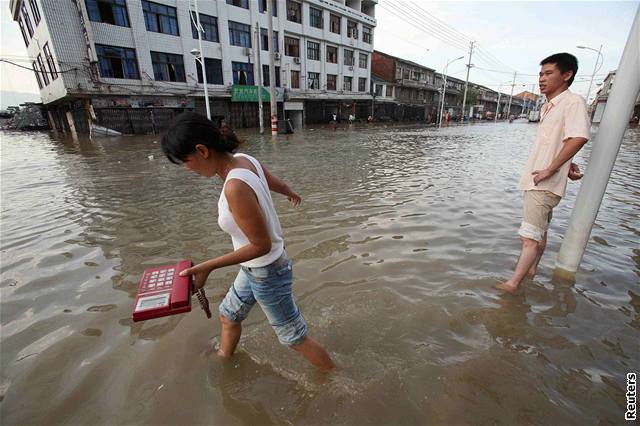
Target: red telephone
x: 163, y: 292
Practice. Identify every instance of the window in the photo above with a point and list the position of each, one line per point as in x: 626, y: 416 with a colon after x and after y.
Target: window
x: 34, y: 65
x: 348, y: 57
x: 50, y: 62
x: 362, y: 84
x: 168, y: 67
x: 108, y: 11
x: 239, y: 34
x: 264, y: 40
x: 331, y: 81
x: 292, y: 47
x: 313, y: 50
x: 24, y: 33
x: 367, y: 36
x: 209, y: 25
x: 35, y: 11
x: 45, y: 76
x: 332, y: 54
x: 378, y: 90
x: 265, y: 75
x: 294, y: 11
x: 214, y: 71
x: 314, y: 80
x: 295, y: 79
x: 160, y: 18
x: 242, y: 73
x: 352, y: 29
x: 239, y: 3
x: 405, y: 74
x: 27, y: 20
x: 334, y: 23
x: 274, y: 7
x: 117, y: 62
x: 315, y: 17
x: 389, y: 91
x: 364, y: 60
x: 347, y: 83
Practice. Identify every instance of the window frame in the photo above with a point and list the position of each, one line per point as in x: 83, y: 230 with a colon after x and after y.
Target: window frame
x: 318, y: 18
x: 211, y: 24
x: 211, y: 76
x: 178, y: 72
x: 147, y: 9
x: 313, y: 50
x: 239, y: 33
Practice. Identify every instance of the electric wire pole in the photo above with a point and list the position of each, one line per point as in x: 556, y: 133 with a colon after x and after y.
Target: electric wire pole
x: 511, y: 95
x: 466, y: 83
x: 256, y: 55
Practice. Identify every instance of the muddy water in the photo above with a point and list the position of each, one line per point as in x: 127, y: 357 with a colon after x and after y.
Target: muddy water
x: 402, y: 233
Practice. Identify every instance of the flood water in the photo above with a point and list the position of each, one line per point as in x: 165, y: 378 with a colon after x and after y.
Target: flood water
x: 401, y: 235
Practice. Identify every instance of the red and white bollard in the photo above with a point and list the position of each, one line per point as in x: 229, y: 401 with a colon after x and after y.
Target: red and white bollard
x: 274, y: 125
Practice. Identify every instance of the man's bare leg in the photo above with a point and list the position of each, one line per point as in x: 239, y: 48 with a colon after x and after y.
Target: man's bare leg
x: 229, y: 337
x: 527, y: 258
x: 541, y: 246
x: 315, y: 354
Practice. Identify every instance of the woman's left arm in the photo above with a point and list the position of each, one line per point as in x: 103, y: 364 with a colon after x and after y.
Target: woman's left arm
x: 246, y: 211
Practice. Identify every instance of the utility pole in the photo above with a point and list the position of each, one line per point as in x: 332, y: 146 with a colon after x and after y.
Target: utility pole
x: 511, y: 95
x: 605, y: 147
x: 202, y: 62
x: 272, y: 71
x: 466, y: 83
x: 495, y: 119
x: 256, y: 55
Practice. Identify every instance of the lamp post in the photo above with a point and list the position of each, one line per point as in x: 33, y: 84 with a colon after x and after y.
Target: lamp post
x: 197, y: 53
x: 444, y: 88
x: 595, y: 67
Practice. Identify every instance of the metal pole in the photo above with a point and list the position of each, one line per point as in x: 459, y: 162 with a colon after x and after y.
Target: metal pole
x: 204, y: 68
x: 605, y: 145
x: 256, y: 55
x: 466, y: 83
x: 511, y: 95
x: 594, y: 74
x: 495, y: 120
x: 272, y: 72
x: 444, y: 92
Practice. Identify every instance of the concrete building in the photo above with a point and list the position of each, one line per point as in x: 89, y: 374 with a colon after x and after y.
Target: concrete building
x: 127, y: 63
x: 600, y: 102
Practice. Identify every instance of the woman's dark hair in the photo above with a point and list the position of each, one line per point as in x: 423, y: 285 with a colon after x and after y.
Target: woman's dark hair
x: 565, y: 62
x: 190, y: 129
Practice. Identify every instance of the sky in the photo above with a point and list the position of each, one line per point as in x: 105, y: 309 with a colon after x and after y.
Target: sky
x: 513, y: 36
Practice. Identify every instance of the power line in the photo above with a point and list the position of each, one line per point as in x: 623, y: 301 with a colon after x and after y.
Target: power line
x: 40, y: 71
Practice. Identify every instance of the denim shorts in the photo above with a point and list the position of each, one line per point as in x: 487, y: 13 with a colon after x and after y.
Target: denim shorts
x: 270, y: 286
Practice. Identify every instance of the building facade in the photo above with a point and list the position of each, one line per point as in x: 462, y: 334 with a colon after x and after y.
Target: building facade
x: 130, y: 64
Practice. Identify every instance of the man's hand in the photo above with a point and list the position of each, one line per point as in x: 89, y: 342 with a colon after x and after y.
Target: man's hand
x: 574, y: 172
x: 200, y: 274
x: 294, y: 199
x: 540, y: 175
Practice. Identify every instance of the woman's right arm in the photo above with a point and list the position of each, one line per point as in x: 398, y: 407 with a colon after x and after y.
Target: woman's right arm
x: 277, y: 185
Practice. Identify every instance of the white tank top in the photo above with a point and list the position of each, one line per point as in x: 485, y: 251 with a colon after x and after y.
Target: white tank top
x: 228, y: 224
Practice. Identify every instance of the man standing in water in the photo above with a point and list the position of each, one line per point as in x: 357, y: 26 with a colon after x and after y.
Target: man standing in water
x: 563, y: 130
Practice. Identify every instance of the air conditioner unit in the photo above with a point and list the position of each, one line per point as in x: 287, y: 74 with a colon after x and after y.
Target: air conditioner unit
x: 296, y: 60
x: 246, y: 51
x: 276, y: 56
x: 350, y: 67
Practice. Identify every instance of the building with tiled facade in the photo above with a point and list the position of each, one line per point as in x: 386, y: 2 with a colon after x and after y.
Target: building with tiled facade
x: 127, y: 63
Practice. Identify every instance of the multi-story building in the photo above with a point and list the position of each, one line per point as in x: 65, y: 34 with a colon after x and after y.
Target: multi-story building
x: 130, y: 64
x: 602, y: 97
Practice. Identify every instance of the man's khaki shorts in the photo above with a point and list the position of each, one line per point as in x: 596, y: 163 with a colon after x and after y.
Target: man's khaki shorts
x: 537, y: 212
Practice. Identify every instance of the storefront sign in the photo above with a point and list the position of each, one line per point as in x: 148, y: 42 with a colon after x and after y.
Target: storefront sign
x: 241, y: 93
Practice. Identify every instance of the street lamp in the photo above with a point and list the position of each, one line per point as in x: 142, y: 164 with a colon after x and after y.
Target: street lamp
x: 595, y: 67
x: 444, y: 88
x: 197, y: 53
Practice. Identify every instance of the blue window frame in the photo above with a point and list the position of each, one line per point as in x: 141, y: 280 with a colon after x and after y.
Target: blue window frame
x: 168, y: 67
x: 117, y: 62
x: 239, y: 34
x: 108, y: 11
x: 242, y: 73
x: 209, y: 25
x: 159, y: 18
x: 214, y: 71
x: 35, y: 10
x: 239, y: 3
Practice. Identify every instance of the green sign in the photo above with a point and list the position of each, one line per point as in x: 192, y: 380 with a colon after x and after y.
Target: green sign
x: 250, y: 94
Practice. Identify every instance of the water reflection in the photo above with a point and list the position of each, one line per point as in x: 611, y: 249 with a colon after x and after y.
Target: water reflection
x: 402, y: 233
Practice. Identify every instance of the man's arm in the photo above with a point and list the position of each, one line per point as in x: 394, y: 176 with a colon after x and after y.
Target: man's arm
x: 569, y: 149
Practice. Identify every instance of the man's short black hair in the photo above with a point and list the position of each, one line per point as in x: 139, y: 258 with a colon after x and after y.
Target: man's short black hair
x: 565, y: 62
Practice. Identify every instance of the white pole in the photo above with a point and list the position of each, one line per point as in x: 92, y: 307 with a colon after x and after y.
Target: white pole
x: 605, y: 145
x: 272, y: 71
x: 444, y: 92
x: 595, y: 67
x: 204, y: 69
x: 466, y: 83
x: 511, y: 95
x: 495, y: 119
x: 256, y: 55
